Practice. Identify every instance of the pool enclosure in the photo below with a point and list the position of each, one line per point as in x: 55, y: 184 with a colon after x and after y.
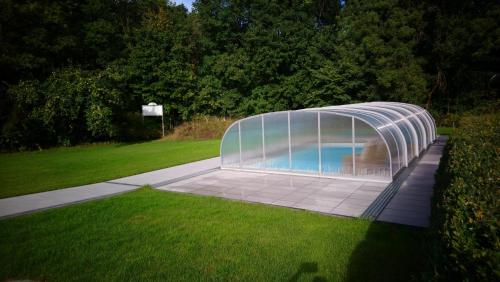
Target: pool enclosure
x: 368, y: 141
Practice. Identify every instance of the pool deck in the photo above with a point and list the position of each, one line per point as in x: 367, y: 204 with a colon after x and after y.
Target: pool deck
x: 331, y: 196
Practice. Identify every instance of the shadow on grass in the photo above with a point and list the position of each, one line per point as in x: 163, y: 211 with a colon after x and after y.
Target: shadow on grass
x: 389, y: 252
x: 304, y: 268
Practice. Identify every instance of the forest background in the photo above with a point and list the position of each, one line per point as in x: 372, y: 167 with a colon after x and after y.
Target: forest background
x: 76, y: 71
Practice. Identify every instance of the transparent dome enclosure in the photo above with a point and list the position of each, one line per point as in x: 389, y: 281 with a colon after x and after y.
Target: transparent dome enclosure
x: 366, y: 141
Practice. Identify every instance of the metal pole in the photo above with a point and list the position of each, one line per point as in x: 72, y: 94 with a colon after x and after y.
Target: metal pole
x: 319, y: 144
x: 263, y: 142
x: 289, y: 144
x: 239, y: 138
x: 353, y: 150
x: 162, y: 126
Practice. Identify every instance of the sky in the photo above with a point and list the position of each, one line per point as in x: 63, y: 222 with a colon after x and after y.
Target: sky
x: 187, y: 3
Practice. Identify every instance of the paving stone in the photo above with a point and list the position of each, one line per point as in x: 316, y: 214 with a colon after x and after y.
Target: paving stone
x: 312, y: 207
x: 357, y: 202
x: 348, y: 211
x: 331, y: 203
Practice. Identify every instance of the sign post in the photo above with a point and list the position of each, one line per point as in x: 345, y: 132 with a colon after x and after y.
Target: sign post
x: 154, y: 110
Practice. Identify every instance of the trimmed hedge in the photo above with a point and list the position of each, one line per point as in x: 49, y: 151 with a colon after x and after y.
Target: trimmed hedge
x: 466, y: 203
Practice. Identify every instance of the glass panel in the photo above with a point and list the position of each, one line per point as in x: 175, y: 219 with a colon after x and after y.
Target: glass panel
x: 276, y: 141
x: 230, y: 148
x: 373, y: 161
x: 336, y: 145
x: 304, y: 140
x: 251, y: 143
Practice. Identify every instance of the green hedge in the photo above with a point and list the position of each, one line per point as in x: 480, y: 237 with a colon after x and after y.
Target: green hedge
x: 466, y: 210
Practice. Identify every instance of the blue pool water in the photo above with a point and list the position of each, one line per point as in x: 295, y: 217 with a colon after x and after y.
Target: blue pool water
x: 332, y: 159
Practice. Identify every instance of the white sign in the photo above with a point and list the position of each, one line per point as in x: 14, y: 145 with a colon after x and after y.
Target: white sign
x: 152, y: 110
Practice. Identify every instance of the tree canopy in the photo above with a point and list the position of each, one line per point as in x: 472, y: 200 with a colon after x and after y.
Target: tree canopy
x: 78, y: 71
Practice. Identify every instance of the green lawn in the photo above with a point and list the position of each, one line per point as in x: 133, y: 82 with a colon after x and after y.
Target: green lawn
x: 444, y: 130
x: 30, y: 172
x: 149, y: 235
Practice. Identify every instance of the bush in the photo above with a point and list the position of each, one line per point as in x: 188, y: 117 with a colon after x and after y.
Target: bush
x: 202, y: 127
x: 466, y: 211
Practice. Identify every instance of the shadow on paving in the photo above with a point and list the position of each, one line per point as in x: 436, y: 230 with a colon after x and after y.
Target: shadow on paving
x: 389, y: 252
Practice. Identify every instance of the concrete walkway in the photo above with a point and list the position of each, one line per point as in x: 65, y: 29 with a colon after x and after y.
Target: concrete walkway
x: 411, y: 205
x: 14, y: 206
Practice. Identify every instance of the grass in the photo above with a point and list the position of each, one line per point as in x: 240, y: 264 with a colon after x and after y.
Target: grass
x: 149, y: 235
x: 444, y: 130
x: 31, y: 172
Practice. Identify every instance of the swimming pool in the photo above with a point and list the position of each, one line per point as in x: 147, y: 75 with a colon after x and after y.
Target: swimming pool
x: 335, y: 159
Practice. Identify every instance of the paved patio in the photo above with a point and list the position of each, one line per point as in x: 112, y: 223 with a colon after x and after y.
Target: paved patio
x: 331, y: 196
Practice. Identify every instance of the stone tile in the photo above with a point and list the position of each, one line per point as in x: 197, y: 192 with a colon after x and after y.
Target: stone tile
x: 420, y: 213
x: 410, y: 201
x: 332, y: 194
x: 258, y: 199
x: 348, y: 211
x: 232, y: 196
x: 350, y: 207
x: 357, y: 202
x: 369, y: 187
x: 179, y: 188
x: 408, y: 206
x: 312, y: 207
x: 294, y: 197
x: 283, y: 203
x: 206, y: 192
x: 267, y: 194
x: 364, y: 196
x: 326, y: 202
x: 420, y: 222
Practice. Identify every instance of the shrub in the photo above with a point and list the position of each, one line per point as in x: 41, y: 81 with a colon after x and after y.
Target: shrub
x: 466, y: 211
x: 201, y: 127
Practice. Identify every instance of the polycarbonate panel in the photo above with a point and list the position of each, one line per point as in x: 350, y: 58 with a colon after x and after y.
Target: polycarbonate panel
x: 304, y: 141
x: 230, y: 148
x: 390, y: 127
x: 337, y: 145
x: 418, y: 113
x: 403, y: 124
x: 374, y: 161
x: 276, y: 141
x: 385, y: 129
x: 417, y: 124
x: 426, y: 120
x: 251, y: 143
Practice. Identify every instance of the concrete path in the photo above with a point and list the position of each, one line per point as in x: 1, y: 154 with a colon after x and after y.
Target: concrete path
x: 411, y: 205
x: 14, y: 206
